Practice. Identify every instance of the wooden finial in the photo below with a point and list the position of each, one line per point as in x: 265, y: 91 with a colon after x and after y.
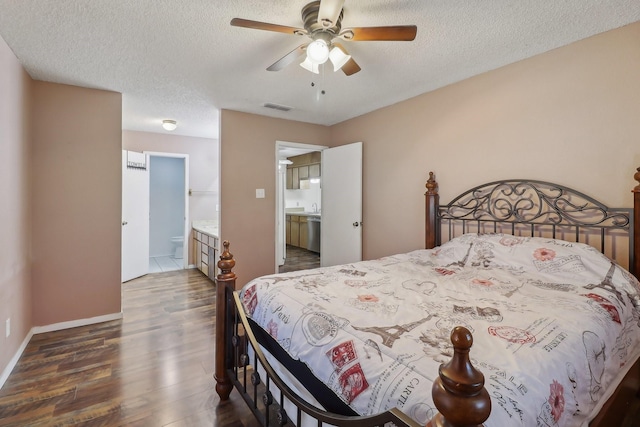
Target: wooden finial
x: 459, y: 392
x: 226, y: 263
x: 225, y: 285
x: 636, y: 176
x: 432, y: 185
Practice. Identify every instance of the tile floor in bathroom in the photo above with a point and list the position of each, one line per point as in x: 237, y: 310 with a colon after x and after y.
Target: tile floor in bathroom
x: 165, y: 263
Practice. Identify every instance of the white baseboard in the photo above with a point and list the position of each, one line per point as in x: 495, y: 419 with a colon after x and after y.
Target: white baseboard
x: 50, y: 328
x: 15, y: 358
x: 76, y: 323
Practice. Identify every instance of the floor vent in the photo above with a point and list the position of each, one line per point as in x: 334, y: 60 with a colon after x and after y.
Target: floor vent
x: 277, y: 106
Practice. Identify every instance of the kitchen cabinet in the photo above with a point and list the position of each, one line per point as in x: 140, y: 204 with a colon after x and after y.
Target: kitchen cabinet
x: 295, y: 179
x: 303, y: 172
x: 297, y: 231
x: 314, y: 171
x: 303, y: 167
x: 287, y: 226
x: 303, y: 232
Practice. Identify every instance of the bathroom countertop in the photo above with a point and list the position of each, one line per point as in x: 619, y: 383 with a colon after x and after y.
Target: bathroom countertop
x: 206, y: 226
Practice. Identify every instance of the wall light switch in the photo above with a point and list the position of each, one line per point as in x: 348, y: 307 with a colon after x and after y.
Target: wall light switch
x: 259, y: 193
x: 7, y: 328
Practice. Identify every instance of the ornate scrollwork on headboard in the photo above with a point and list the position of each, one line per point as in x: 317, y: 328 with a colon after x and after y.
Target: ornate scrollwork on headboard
x: 532, y: 202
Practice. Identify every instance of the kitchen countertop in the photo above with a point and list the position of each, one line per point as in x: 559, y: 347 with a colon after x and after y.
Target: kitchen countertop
x: 304, y: 214
x: 206, y: 226
x: 301, y: 212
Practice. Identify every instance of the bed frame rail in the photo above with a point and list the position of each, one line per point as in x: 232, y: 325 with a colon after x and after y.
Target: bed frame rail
x: 267, y: 395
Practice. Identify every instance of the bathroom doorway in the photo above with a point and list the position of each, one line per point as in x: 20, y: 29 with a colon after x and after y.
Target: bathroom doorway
x: 168, y: 211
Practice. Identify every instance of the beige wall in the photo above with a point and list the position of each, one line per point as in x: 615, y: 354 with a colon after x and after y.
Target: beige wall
x: 248, y: 162
x: 570, y: 116
x: 203, y: 167
x: 76, y: 199
x: 15, y: 212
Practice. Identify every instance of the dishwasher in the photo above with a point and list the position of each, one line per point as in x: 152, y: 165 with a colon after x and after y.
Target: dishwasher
x: 313, y: 228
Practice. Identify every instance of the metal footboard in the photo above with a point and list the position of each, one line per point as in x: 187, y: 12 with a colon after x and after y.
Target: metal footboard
x: 270, y: 399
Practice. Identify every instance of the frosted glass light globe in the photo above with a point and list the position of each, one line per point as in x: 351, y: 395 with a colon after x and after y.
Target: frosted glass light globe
x: 318, y: 51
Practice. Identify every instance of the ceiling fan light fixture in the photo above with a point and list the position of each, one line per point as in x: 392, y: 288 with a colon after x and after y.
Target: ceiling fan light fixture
x: 318, y: 51
x: 338, y: 58
x: 310, y: 66
x: 169, y: 125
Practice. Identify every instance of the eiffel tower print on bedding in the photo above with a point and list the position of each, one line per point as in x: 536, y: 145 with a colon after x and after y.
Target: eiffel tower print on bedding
x: 555, y: 326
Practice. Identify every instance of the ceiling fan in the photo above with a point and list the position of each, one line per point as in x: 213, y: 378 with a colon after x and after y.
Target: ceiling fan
x: 323, y: 25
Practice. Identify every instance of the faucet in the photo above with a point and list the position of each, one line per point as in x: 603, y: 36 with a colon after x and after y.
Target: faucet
x: 314, y: 206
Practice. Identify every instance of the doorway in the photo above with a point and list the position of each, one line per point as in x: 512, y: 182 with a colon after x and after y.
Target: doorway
x: 168, y: 212
x: 158, y: 238
x: 340, y: 222
x: 293, y: 257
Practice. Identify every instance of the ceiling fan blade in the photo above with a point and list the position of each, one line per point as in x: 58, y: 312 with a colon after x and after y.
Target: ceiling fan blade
x: 392, y: 33
x: 288, y: 58
x: 351, y: 66
x: 329, y: 12
x: 246, y: 23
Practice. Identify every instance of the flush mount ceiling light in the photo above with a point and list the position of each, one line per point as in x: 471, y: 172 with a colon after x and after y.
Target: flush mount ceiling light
x: 169, y: 125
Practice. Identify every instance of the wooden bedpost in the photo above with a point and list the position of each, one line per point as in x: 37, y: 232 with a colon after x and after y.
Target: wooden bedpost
x: 459, y: 392
x: 225, y: 284
x: 431, y: 212
x: 635, y: 263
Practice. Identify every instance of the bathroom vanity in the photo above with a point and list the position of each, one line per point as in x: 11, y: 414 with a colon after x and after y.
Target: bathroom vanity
x: 206, y: 246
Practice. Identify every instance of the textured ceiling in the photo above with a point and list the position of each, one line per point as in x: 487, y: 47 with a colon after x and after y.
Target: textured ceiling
x: 180, y: 59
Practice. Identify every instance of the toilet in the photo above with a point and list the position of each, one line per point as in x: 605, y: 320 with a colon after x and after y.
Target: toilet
x: 178, y: 241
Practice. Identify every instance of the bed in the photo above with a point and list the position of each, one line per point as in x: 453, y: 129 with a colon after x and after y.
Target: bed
x: 522, y: 309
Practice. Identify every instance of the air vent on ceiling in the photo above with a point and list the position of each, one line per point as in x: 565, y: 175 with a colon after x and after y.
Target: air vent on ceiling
x: 277, y: 106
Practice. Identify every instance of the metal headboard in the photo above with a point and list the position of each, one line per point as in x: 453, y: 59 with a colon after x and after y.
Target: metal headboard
x: 537, y: 208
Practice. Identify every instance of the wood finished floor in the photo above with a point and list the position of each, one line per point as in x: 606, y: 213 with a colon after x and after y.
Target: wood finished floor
x: 152, y: 368
x: 299, y: 259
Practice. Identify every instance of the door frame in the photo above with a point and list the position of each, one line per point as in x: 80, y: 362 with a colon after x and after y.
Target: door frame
x: 280, y: 241
x: 185, y: 229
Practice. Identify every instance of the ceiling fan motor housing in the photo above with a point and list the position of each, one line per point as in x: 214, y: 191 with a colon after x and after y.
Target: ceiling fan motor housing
x: 320, y: 30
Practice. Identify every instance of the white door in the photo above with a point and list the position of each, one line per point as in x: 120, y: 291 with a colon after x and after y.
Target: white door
x: 281, y: 236
x: 341, y: 229
x: 135, y: 219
